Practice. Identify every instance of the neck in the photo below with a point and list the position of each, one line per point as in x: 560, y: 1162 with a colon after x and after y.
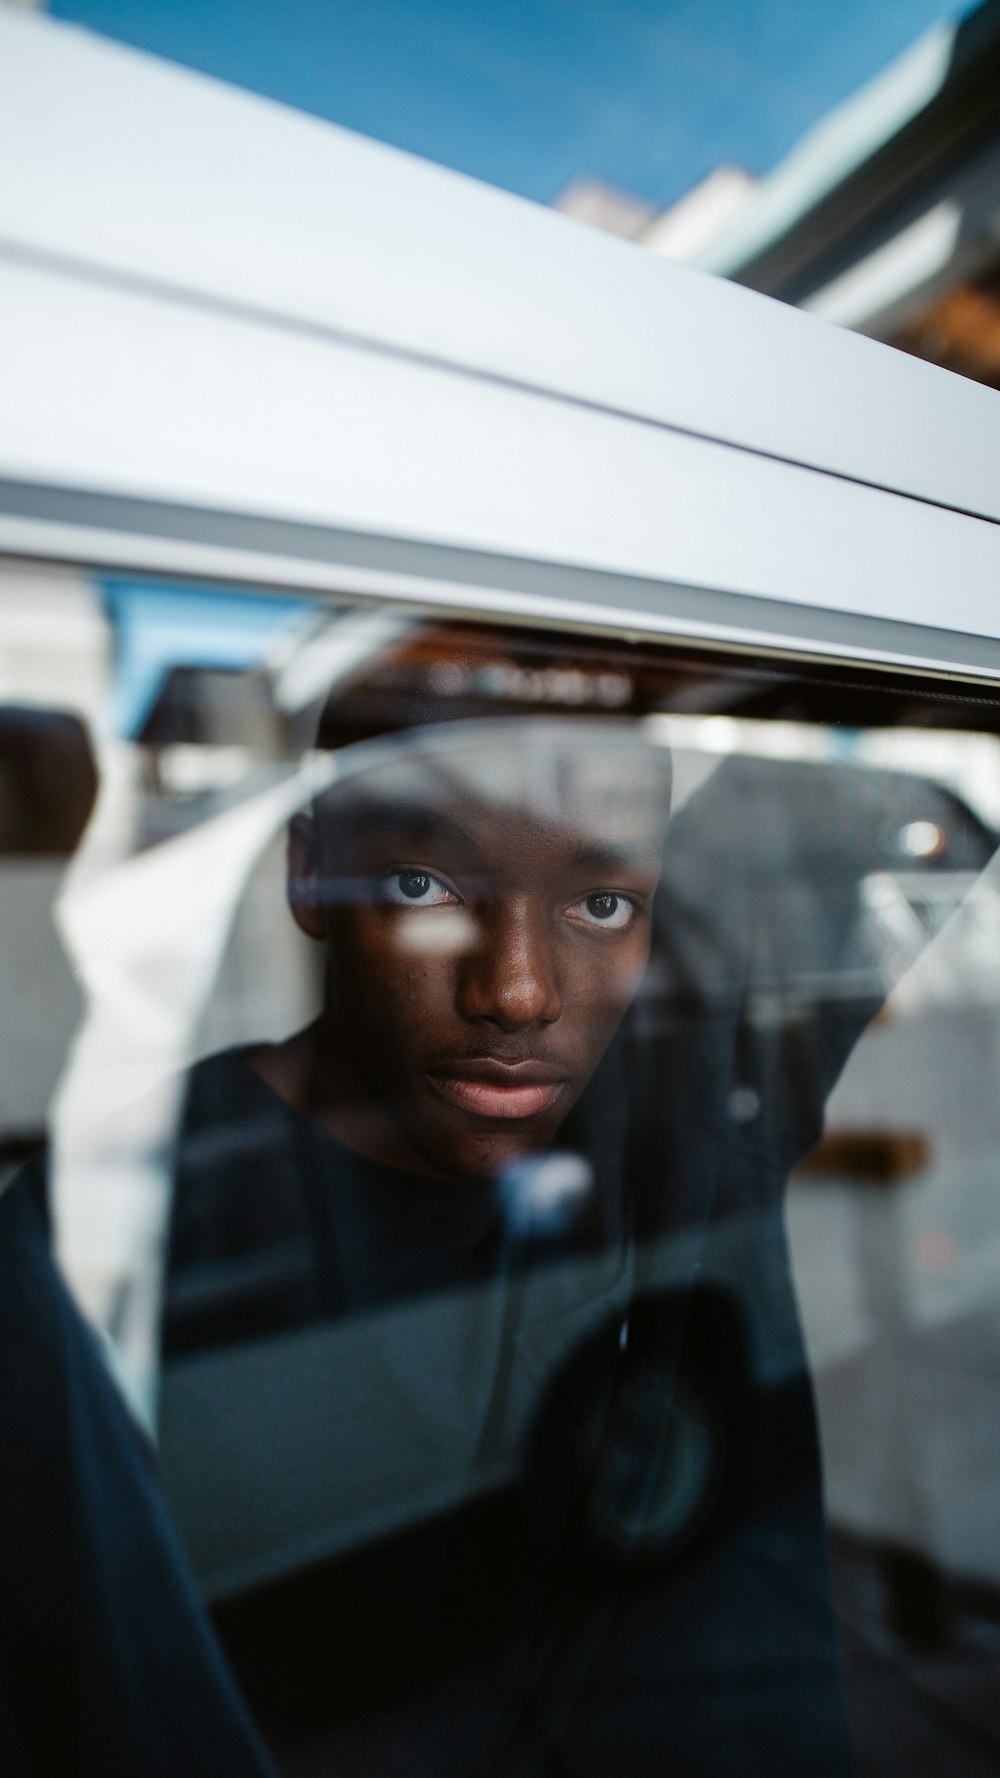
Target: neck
x: 314, y: 1073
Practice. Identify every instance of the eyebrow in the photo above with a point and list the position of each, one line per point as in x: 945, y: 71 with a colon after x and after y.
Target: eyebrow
x: 607, y: 855
x: 429, y: 825
x: 409, y: 819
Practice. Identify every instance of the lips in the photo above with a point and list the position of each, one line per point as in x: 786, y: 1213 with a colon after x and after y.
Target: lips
x: 487, y: 1087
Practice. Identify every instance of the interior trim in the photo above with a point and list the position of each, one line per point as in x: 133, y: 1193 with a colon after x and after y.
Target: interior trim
x: 125, y: 534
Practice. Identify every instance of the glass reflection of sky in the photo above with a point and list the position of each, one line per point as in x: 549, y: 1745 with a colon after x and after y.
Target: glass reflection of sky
x: 157, y: 628
x: 531, y: 94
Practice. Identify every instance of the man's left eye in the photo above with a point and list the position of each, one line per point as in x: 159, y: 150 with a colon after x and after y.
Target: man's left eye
x: 607, y: 909
x: 417, y: 889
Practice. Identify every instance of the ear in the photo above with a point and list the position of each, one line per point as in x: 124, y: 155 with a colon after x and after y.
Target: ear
x: 303, y: 882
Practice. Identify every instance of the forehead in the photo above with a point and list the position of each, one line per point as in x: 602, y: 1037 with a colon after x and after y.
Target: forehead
x: 600, y: 780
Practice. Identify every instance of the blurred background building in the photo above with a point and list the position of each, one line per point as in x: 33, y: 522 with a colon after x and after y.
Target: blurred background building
x: 885, y: 217
x: 845, y: 160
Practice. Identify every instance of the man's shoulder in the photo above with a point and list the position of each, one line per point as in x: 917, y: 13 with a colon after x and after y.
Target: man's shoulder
x: 229, y: 1115
x: 241, y: 1253
x: 237, y: 1181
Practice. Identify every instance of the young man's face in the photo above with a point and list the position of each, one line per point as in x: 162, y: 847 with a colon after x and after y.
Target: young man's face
x: 487, y: 906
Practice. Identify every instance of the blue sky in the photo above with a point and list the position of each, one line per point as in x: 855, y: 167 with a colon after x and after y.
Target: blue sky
x: 529, y: 94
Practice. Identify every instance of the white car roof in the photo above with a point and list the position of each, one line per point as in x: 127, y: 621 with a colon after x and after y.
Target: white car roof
x: 212, y: 302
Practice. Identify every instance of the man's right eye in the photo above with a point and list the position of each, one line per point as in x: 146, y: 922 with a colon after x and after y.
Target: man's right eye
x: 418, y: 889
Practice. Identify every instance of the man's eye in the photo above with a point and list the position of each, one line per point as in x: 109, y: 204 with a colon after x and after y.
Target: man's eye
x: 417, y: 889
x: 607, y: 909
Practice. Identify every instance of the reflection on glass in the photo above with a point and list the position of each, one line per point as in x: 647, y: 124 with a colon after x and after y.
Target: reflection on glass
x: 97, y: 1610
x: 483, y: 1030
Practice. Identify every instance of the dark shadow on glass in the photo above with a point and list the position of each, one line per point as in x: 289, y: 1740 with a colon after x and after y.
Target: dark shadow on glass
x: 486, y: 1406
x: 107, y: 1661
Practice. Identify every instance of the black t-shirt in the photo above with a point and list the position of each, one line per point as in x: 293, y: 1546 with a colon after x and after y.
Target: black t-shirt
x: 621, y: 1563
x: 276, y: 1224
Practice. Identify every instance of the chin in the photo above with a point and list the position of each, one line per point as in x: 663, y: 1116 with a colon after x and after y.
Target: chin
x: 481, y: 1158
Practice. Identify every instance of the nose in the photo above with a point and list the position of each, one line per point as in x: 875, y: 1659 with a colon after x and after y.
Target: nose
x: 509, y: 977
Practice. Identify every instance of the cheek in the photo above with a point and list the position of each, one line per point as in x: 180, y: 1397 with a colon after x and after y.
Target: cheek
x: 391, y: 982
x: 634, y: 966
x: 610, y: 980
x: 443, y: 934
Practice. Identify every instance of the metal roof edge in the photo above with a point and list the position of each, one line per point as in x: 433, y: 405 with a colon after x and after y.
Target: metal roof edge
x: 136, y: 173
x: 833, y: 149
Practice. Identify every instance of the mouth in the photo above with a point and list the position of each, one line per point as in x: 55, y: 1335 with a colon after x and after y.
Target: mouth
x: 489, y: 1088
